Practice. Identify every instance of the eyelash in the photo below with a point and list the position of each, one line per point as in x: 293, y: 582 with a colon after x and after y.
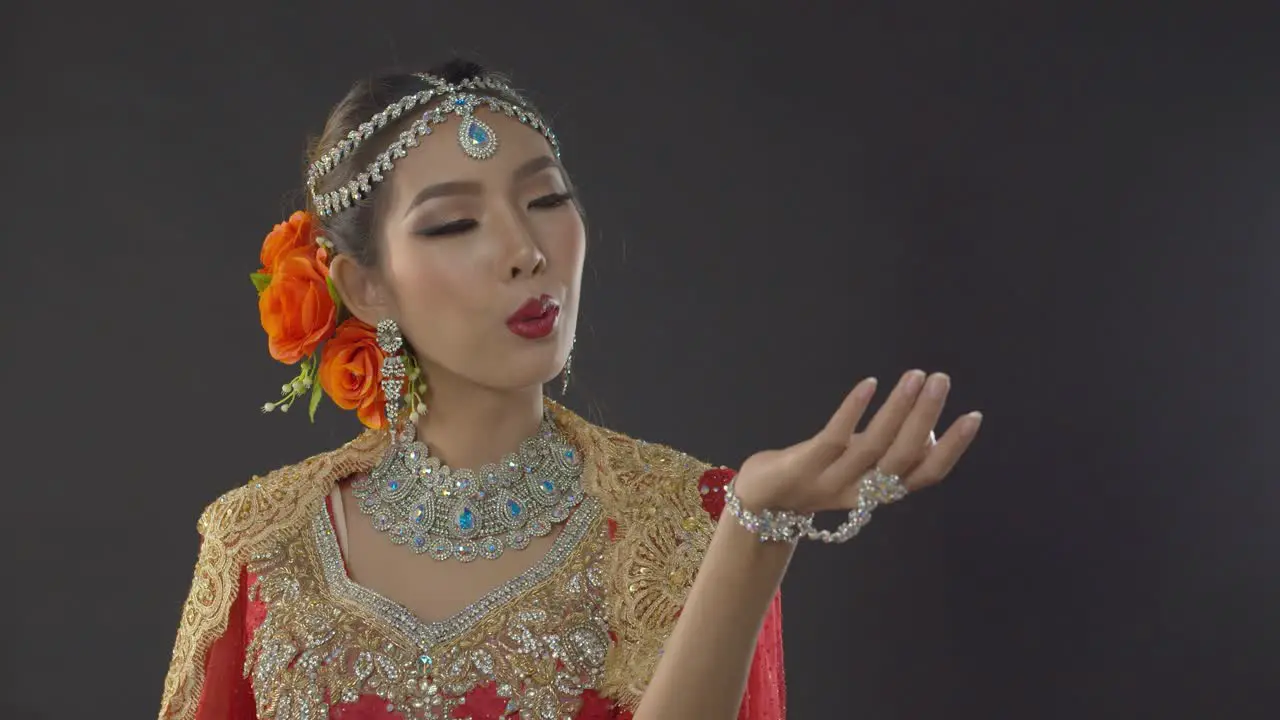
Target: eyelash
x: 546, y: 202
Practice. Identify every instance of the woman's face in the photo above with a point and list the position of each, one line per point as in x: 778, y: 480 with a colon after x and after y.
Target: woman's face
x: 471, y: 249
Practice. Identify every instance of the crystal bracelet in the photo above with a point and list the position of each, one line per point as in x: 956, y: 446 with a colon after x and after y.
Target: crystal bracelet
x: 769, y: 525
x: 875, y: 488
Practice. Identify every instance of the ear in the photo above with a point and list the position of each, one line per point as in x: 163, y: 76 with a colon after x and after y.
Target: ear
x: 362, y: 290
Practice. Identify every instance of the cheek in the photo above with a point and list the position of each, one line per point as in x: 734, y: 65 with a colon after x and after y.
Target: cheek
x: 423, y: 273
x: 564, y: 239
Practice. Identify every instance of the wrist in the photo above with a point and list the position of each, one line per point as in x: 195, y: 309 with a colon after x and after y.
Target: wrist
x: 755, y: 495
x: 767, y: 523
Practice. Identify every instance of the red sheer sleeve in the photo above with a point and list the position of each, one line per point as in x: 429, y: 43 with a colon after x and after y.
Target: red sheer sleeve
x: 766, y: 694
x: 227, y: 694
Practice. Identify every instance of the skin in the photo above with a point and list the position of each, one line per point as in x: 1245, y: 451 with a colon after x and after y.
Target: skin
x: 451, y: 296
x: 453, y: 265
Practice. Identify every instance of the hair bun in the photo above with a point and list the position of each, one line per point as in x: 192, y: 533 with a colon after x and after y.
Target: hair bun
x: 456, y: 70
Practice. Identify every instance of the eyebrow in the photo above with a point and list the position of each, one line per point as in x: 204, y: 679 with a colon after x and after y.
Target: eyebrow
x: 459, y: 187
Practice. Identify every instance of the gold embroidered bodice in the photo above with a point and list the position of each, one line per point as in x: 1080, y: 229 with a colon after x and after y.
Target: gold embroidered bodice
x: 593, y: 614
x: 540, y: 638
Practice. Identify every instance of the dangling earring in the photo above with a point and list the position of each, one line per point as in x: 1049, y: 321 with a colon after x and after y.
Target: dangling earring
x: 391, y: 342
x: 568, y: 370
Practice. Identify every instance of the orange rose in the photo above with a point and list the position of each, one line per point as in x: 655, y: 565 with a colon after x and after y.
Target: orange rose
x: 295, y: 308
x: 297, y: 232
x: 351, y: 372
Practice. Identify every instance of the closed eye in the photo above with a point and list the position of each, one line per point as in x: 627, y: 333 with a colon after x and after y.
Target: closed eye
x: 450, y: 228
x: 553, y: 200
x: 457, y: 227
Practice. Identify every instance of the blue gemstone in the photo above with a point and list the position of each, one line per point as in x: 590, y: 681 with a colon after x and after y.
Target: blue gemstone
x: 466, y: 519
x: 548, y: 486
x: 569, y: 454
x: 419, y: 541
x: 477, y: 134
x: 420, y: 514
x: 460, y: 101
x: 393, y: 485
x: 514, y: 508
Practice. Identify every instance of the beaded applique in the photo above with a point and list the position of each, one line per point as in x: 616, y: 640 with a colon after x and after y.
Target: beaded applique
x: 541, y: 638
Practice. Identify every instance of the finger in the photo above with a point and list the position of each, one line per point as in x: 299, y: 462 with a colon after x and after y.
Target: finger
x: 884, y: 427
x: 939, y: 461
x: 846, y: 418
x: 912, y: 441
x: 867, y: 447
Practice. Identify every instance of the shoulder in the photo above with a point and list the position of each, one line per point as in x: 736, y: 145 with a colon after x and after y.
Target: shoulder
x: 286, y: 496
x: 656, y: 472
x: 233, y: 528
x: 661, y: 504
x: 636, y: 475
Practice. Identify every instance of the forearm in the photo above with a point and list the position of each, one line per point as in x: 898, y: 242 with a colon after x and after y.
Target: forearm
x: 706, y: 660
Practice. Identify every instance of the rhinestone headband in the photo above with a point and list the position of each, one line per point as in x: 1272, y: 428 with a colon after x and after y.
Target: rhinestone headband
x: 477, y: 139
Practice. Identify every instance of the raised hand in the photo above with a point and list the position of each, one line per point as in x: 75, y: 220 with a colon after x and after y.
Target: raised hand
x: 825, y: 471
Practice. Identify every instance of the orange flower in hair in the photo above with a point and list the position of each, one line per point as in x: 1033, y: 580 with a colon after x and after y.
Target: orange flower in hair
x: 351, y: 372
x: 297, y: 232
x: 295, y: 307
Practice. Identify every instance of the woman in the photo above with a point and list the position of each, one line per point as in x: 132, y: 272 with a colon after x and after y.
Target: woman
x: 574, y: 572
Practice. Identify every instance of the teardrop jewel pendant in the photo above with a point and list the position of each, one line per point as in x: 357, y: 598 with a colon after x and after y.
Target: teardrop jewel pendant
x: 477, y: 139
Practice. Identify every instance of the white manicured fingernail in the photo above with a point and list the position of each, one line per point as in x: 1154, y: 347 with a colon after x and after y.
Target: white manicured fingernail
x: 914, y: 380
x: 937, y: 385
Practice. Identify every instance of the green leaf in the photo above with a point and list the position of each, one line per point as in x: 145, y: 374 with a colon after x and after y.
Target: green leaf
x: 260, y: 281
x: 315, y: 399
x: 333, y: 292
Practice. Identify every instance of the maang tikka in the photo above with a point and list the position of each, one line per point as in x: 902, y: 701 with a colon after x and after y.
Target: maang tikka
x: 463, y: 514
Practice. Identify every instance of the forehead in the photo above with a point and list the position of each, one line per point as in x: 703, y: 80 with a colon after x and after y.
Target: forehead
x: 439, y: 158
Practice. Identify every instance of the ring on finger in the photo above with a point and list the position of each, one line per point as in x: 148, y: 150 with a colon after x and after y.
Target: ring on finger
x: 933, y: 439
x: 878, y: 487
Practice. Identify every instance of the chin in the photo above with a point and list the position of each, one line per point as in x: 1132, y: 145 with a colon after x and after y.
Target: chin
x: 537, y: 367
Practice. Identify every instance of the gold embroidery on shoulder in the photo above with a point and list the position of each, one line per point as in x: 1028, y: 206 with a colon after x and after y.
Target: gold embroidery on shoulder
x: 662, y: 533
x: 231, y: 529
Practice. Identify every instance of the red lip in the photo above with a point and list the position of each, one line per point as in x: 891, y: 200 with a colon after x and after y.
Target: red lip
x: 536, y: 318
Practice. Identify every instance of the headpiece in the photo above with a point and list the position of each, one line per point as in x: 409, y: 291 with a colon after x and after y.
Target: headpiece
x: 477, y: 139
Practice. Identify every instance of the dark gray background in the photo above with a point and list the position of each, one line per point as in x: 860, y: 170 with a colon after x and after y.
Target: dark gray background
x: 1072, y: 210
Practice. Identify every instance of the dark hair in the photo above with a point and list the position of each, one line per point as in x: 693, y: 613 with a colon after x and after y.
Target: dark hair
x: 352, y: 230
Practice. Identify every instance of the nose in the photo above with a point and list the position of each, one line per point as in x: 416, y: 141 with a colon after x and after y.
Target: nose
x: 524, y: 256
x: 528, y: 261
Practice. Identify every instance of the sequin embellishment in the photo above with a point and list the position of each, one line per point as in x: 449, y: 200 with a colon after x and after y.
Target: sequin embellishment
x: 540, y: 639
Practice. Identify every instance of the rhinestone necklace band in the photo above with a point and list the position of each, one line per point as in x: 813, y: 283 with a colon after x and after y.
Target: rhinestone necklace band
x: 462, y: 514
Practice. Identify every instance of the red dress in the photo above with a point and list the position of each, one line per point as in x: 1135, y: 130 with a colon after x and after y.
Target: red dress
x: 275, y: 628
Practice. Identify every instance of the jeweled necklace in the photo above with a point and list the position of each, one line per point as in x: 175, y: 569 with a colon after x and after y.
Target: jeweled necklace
x: 463, y: 514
